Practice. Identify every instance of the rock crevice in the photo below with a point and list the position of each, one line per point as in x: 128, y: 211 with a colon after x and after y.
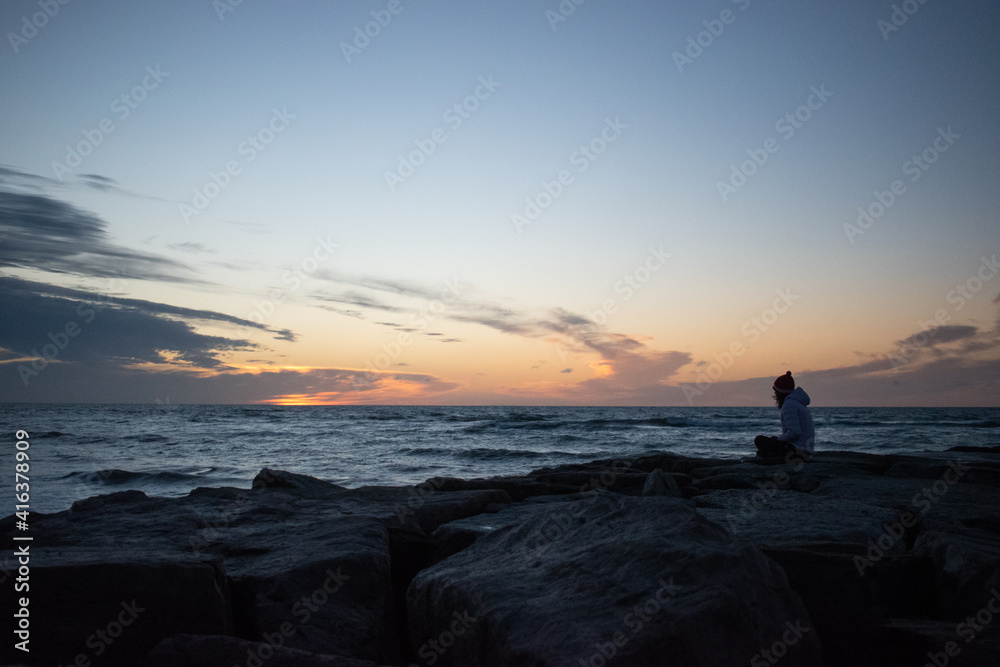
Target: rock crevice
x: 849, y: 559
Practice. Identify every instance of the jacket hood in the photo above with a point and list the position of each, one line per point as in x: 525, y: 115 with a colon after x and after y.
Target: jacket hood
x: 799, y: 396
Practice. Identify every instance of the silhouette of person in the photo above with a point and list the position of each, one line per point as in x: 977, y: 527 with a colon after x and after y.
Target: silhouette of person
x: 798, y: 435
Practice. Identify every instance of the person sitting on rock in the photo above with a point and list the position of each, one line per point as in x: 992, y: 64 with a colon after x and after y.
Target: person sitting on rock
x: 798, y: 435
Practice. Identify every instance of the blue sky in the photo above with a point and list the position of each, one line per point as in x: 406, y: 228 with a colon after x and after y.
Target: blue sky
x: 528, y: 323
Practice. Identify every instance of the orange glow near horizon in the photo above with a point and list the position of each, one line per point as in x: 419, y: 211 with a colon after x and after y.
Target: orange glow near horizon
x: 301, y: 399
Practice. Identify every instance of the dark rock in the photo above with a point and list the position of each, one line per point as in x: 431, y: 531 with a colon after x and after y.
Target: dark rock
x: 804, y: 483
x: 540, y: 593
x: 549, y: 563
x: 970, y: 448
x: 556, y: 511
x: 675, y: 463
x: 659, y: 483
x: 772, y: 517
x: 304, y: 551
x: 846, y: 605
x: 517, y: 488
x: 280, y: 479
x: 971, y: 473
x: 728, y: 481
x: 966, y: 559
x: 223, y: 651
x: 912, y: 642
x: 93, y: 605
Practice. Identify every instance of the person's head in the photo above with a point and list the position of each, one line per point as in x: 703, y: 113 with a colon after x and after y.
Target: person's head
x: 783, y: 386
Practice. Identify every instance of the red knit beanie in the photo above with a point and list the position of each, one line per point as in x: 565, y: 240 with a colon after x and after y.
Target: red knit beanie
x: 784, y: 384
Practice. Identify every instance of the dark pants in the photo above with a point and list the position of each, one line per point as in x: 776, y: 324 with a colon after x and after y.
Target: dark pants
x: 771, y: 448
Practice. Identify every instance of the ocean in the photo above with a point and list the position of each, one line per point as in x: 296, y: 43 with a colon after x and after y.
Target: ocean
x: 78, y: 451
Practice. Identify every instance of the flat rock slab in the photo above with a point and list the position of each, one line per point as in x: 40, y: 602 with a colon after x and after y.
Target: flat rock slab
x: 631, y: 578
x: 775, y: 518
x: 563, y: 566
x: 299, y: 554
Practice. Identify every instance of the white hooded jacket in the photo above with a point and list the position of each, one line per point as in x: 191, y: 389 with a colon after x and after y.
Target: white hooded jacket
x: 797, y: 422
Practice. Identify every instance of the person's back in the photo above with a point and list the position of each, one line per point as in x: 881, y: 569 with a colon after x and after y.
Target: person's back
x: 798, y: 434
x: 797, y: 427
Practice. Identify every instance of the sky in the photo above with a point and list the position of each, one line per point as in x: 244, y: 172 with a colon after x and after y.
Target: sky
x: 518, y: 203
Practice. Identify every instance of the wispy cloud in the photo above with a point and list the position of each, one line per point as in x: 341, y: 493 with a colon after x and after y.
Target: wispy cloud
x: 95, y: 333
x: 98, y: 182
x: 193, y: 248
x: 43, y: 233
x: 16, y: 179
x: 625, y: 366
x: 109, y: 383
x: 938, y: 336
x: 27, y: 289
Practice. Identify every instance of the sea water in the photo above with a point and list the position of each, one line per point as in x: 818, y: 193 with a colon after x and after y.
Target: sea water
x: 78, y: 451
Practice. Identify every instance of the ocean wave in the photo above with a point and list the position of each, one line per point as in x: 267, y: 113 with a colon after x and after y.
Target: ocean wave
x: 146, y: 437
x: 982, y: 424
x: 423, y: 451
x: 524, y: 417
x: 259, y: 434
x: 922, y: 423
x: 493, y: 454
x: 854, y: 422
x: 487, y: 453
x: 92, y: 440
x: 669, y: 422
x: 516, y: 425
x: 479, y: 426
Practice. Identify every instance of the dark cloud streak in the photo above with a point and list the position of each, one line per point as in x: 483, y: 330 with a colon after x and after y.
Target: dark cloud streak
x: 46, y: 234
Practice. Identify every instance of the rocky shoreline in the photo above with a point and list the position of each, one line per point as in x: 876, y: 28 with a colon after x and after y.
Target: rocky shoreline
x: 849, y: 559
